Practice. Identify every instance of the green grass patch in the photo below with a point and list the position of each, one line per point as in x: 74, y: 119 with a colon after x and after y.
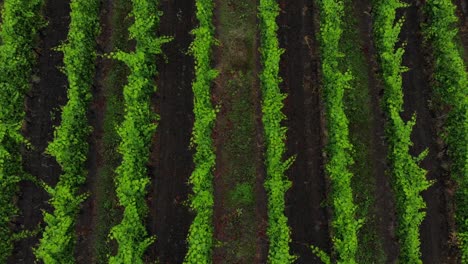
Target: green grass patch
x: 106, y: 200
x: 361, y: 119
x: 236, y: 33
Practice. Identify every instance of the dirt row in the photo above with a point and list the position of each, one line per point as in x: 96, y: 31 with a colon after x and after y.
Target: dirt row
x: 171, y: 158
x: 299, y: 68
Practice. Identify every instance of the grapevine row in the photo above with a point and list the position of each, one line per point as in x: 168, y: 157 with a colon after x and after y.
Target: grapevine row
x: 70, y: 147
x: 200, y: 237
x: 409, y: 180
x: 276, y: 183
x: 452, y: 87
x: 136, y: 132
x: 21, y: 21
x: 345, y: 225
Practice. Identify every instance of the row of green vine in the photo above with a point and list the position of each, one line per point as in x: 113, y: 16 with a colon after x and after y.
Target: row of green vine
x: 408, y: 178
x: 200, y: 237
x: 451, y: 85
x: 345, y: 226
x: 276, y: 184
x: 136, y: 132
x: 70, y: 147
x: 21, y: 21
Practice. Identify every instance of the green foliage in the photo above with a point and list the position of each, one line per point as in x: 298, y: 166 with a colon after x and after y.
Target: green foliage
x: 345, y: 225
x: 20, y: 23
x: 70, y: 147
x: 276, y: 183
x: 200, y: 237
x: 322, y: 255
x: 136, y: 132
x: 409, y: 180
x: 451, y: 84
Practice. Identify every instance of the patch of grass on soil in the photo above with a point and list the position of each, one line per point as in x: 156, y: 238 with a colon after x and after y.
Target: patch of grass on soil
x: 358, y: 110
x: 107, y: 210
x: 237, y: 27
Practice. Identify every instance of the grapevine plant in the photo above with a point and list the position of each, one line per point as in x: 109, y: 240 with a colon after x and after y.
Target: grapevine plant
x: 70, y: 147
x: 409, y: 179
x: 136, y: 132
x: 21, y: 21
x: 344, y: 223
x: 276, y: 184
x: 200, y: 237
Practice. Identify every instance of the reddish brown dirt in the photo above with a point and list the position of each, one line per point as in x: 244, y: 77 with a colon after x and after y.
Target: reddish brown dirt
x: 434, y: 231
x: 171, y: 158
x: 42, y: 113
x: 87, y: 218
x: 299, y: 69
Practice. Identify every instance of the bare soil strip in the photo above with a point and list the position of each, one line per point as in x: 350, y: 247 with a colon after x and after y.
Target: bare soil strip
x: 434, y: 232
x: 42, y: 105
x: 171, y: 158
x: 307, y: 216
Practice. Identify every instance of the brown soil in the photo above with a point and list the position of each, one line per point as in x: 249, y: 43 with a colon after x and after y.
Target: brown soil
x: 171, y: 158
x: 42, y: 113
x: 299, y: 69
x: 87, y: 219
x: 434, y: 231
x: 384, y: 219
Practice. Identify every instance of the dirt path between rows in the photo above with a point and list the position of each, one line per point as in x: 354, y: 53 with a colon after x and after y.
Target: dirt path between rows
x: 240, y: 199
x: 381, y: 218
x: 87, y: 221
x: 171, y: 158
x: 299, y: 69
x: 434, y: 231
x: 42, y: 104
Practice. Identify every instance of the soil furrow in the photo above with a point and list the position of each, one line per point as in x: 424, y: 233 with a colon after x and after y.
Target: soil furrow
x: 171, y: 158
x: 306, y: 214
